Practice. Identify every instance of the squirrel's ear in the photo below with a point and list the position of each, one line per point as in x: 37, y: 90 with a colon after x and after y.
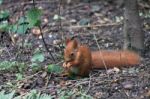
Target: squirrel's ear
x: 76, y: 43
x: 67, y: 40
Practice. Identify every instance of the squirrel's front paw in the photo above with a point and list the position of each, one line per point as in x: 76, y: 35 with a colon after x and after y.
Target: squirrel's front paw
x: 65, y: 65
x: 69, y: 65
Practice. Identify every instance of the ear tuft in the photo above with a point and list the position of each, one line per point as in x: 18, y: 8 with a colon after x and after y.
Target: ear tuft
x: 73, y: 37
x: 67, y: 40
x: 75, y: 42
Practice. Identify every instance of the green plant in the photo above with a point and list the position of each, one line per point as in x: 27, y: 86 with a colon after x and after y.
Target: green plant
x: 6, y: 65
x: 11, y: 85
x: 3, y: 95
x: 19, y: 76
x: 35, y: 67
x: 74, y: 94
x: 12, y: 66
x: 54, y: 69
x: 31, y: 19
x: 65, y: 95
x: 38, y: 57
x: 4, y: 15
x: 32, y: 95
x: 1, y: 1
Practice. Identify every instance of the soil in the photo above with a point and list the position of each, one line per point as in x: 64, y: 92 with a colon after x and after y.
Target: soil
x: 107, y: 21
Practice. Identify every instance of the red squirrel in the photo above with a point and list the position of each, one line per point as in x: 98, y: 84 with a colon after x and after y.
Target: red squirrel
x: 79, y: 59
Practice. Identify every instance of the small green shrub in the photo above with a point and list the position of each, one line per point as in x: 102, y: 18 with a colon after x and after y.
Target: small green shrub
x: 37, y: 58
x: 3, y: 95
x: 32, y: 95
x: 54, y: 69
x: 12, y: 66
x: 72, y: 94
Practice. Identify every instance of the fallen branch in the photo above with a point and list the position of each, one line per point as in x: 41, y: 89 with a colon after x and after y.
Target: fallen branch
x: 93, y: 26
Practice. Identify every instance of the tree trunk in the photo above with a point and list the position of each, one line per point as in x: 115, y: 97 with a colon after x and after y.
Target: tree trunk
x: 134, y: 36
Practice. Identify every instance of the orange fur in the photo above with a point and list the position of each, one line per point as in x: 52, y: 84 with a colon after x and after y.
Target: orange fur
x: 75, y: 58
x: 111, y: 59
x: 81, y: 58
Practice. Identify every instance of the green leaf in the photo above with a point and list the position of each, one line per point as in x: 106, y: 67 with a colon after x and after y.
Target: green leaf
x: 38, y: 57
x: 6, y: 96
x: 34, y: 65
x: 4, y: 14
x: 4, y: 26
x: 33, y: 17
x: 1, y: 1
x: 21, y: 67
x: 43, y: 96
x: 34, y: 95
x: 7, y: 65
x: 54, y: 68
x: 22, y: 20
x: 19, y: 76
x: 13, y: 28
x: 21, y: 29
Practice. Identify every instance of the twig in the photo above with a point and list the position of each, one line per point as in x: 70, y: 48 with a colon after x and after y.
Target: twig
x: 77, y: 83
x: 125, y: 93
x: 92, y: 26
x: 60, y: 21
x: 33, y: 3
x: 101, y: 56
x: 23, y: 39
x: 66, y: 25
x: 46, y: 44
x: 43, y: 38
x: 83, y: 82
x: 28, y: 3
x: 89, y: 85
x: 60, y: 25
x: 47, y: 80
x: 60, y: 62
x: 6, y: 49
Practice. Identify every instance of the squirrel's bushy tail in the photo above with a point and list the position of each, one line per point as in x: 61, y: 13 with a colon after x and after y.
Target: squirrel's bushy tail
x: 111, y: 59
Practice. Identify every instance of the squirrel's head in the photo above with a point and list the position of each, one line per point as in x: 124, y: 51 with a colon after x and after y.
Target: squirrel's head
x: 71, y: 49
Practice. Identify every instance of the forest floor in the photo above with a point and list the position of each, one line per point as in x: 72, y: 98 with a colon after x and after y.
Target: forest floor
x: 86, y: 21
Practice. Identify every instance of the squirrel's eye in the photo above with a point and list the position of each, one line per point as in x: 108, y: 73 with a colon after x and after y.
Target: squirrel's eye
x: 72, y: 54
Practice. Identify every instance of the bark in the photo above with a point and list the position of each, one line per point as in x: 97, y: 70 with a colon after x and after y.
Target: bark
x: 133, y: 34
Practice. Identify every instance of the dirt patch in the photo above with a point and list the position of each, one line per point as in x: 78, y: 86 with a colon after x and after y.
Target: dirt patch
x: 106, y: 18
